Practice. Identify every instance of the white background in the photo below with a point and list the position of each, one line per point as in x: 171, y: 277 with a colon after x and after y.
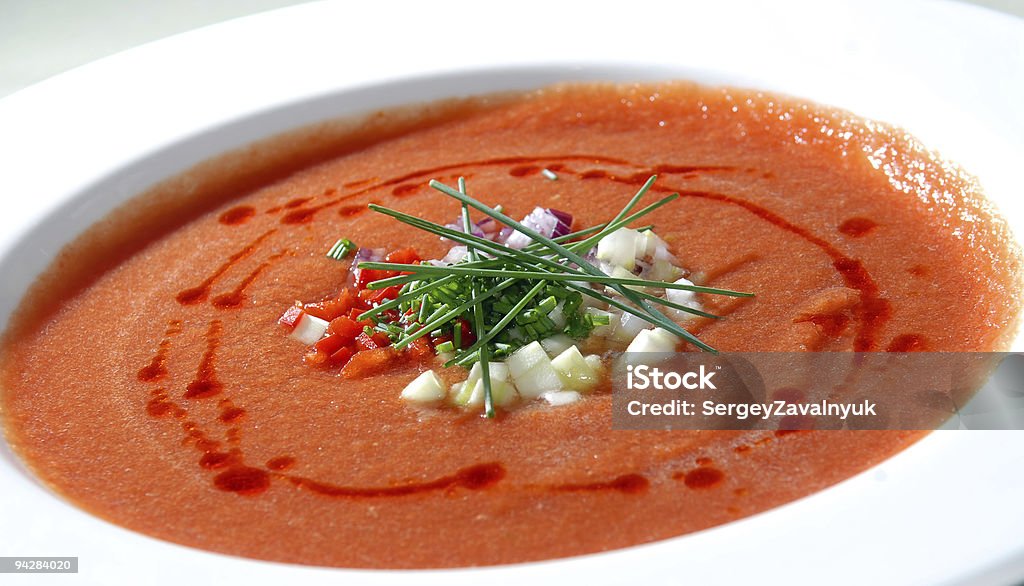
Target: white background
x: 41, y: 38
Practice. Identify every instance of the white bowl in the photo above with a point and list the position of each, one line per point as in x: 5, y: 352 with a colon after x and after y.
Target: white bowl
x: 946, y: 510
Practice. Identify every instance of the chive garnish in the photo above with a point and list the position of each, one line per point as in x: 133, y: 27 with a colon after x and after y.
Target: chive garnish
x: 509, y: 296
x: 549, y: 174
x: 341, y: 249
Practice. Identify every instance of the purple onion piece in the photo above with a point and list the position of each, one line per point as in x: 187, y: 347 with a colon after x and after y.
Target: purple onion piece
x: 504, y: 234
x: 542, y: 221
x: 564, y: 225
x: 365, y: 255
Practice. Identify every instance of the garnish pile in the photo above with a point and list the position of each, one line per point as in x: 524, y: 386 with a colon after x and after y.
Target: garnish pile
x: 507, y: 294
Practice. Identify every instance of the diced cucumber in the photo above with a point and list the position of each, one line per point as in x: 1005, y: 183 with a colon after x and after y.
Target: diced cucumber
x: 558, y: 398
x: 525, y: 358
x: 574, y: 371
x: 426, y: 388
x: 655, y: 340
x: 309, y: 329
x: 663, y: 270
x: 470, y: 393
x: 683, y: 297
x: 556, y: 344
x: 628, y: 327
x: 503, y: 394
x: 619, y: 248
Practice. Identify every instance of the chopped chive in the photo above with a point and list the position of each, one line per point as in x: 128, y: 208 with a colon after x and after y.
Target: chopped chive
x: 549, y: 174
x: 341, y: 249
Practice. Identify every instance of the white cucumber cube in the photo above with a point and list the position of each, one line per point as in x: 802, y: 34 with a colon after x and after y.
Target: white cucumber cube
x: 426, y: 388
x: 574, y: 371
x: 309, y: 329
x: 558, y: 398
x: 655, y: 340
x: 628, y: 327
x: 683, y: 297
x: 556, y: 344
x: 525, y: 358
x: 542, y: 377
x: 619, y: 248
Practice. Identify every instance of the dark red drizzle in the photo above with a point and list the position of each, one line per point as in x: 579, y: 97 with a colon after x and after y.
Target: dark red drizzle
x: 234, y: 298
x: 349, y: 211
x: 297, y: 202
x: 199, y: 293
x: 159, y: 406
x: 473, y: 478
x: 205, y: 384
x: 237, y: 215
x: 406, y: 190
x: 229, y: 412
x: 215, y: 460
x: 243, y: 480
x: 857, y: 227
x: 701, y: 478
x: 300, y: 216
x: 524, y: 170
x: 156, y: 369
x: 627, y: 483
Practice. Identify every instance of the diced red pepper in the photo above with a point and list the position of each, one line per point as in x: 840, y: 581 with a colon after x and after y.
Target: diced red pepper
x: 380, y: 295
x: 291, y: 317
x: 342, y: 356
x: 367, y: 276
x: 345, y: 327
x: 332, y: 308
x: 404, y: 256
x: 330, y: 344
x: 420, y: 348
x: 381, y: 339
x: 365, y: 342
x: 468, y: 337
x: 369, y: 362
x: 315, y: 358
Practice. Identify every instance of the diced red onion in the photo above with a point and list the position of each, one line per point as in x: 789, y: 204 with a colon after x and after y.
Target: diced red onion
x: 564, y: 222
x: 546, y: 222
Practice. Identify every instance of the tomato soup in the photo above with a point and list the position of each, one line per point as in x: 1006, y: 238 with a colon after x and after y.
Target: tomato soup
x: 145, y: 378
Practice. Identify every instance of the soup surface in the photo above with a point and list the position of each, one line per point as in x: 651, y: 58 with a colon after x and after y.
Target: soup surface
x: 145, y: 378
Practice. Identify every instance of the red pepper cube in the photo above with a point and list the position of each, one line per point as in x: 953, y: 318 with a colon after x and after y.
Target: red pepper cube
x: 369, y: 362
x: 420, y: 348
x: 332, y: 308
x: 291, y: 317
x: 403, y: 256
x: 468, y: 337
x: 366, y: 276
x: 345, y: 327
x: 365, y: 342
x: 315, y: 358
x: 342, y: 356
x: 381, y: 339
x: 330, y: 344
